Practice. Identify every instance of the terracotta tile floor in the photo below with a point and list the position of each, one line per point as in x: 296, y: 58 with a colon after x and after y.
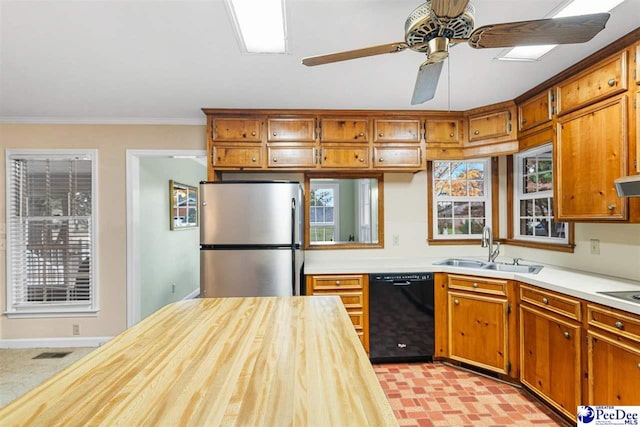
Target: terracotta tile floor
x: 434, y: 394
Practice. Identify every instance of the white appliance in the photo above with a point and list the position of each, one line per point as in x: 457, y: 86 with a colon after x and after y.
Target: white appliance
x: 251, y: 238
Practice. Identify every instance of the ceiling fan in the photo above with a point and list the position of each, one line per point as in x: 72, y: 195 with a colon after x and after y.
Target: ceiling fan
x: 436, y: 25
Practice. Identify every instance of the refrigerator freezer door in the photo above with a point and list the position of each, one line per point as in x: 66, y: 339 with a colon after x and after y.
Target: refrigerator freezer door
x: 256, y: 213
x: 245, y: 273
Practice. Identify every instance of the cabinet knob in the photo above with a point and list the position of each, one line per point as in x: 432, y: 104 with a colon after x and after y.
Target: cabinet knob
x: 275, y: 134
x: 619, y: 325
x: 380, y: 134
x: 611, y: 207
x: 275, y: 160
x: 338, y: 282
x: 545, y: 300
x: 451, y: 134
x: 524, y: 120
x: 253, y: 133
x: 611, y: 82
x: 475, y: 285
x: 253, y: 159
x: 566, y: 335
x: 362, y: 134
x: 381, y: 159
x: 362, y: 159
x: 456, y: 302
x: 476, y: 132
x: 638, y: 365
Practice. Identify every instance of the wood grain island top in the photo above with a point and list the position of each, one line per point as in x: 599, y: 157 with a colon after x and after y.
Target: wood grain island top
x: 219, y: 361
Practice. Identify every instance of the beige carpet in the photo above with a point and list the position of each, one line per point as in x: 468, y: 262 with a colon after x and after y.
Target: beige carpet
x: 20, y: 372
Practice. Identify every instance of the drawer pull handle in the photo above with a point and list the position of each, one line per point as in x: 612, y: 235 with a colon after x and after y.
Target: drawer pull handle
x: 275, y: 134
x: 619, y: 325
x: 400, y: 345
x: 475, y: 285
x: 545, y: 300
x: 566, y: 335
x: 338, y: 282
x: 611, y: 82
x: 381, y: 159
x: 611, y: 207
x: 524, y: 120
x: 253, y: 159
x: 380, y: 134
x: 362, y: 159
x: 456, y: 302
x: 451, y: 135
x: 253, y: 133
x: 362, y: 134
x: 477, y: 132
x: 275, y: 160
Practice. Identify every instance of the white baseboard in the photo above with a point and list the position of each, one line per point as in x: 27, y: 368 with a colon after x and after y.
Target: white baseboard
x: 192, y: 295
x: 54, y: 342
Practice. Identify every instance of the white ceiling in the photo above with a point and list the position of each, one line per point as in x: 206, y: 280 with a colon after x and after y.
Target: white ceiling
x: 153, y: 61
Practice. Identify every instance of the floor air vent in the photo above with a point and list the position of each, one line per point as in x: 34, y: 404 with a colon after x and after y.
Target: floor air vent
x: 52, y: 355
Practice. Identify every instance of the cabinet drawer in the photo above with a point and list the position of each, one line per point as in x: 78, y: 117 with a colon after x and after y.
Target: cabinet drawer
x: 357, y: 318
x: 399, y: 130
x: 236, y: 129
x: 337, y: 283
x: 614, y: 321
x: 478, y: 284
x: 605, y: 79
x: 291, y: 129
x: 442, y: 131
x: 286, y: 157
x: 343, y: 157
x: 551, y: 301
x: 350, y: 299
x: 237, y: 156
x: 535, y: 111
x: 341, y: 130
x: 396, y: 157
x: 489, y: 126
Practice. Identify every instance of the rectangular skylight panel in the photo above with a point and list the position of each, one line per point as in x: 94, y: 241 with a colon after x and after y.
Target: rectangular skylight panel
x: 260, y: 25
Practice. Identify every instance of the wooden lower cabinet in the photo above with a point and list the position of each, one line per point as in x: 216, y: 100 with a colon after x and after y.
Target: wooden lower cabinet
x: 353, y: 289
x: 613, y: 357
x: 479, y: 322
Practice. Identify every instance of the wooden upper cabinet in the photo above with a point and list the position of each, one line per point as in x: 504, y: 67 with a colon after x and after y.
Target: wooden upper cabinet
x: 244, y: 129
x: 301, y: 156
x: 344, y: 130
x: 409, y: 157
x: 590, y: 152
x: 356, y: 157
x: 291, y: 129
x: 442, y: 131
x: 491, y: 125
x: 236, y: 156
x: 397, y: 130
x: 535, y: 111
x: 604, y: 79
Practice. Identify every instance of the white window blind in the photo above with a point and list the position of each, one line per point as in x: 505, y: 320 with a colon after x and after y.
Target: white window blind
x: 51, y: 237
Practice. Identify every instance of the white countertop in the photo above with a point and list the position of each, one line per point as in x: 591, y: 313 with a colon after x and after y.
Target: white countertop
x: 571, y: 282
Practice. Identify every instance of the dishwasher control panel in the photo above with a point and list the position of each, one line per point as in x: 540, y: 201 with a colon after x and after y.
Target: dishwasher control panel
x: 390, y: 277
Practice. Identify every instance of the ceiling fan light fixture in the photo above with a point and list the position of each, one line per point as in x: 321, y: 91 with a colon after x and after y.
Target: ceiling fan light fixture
x: 260, y: 26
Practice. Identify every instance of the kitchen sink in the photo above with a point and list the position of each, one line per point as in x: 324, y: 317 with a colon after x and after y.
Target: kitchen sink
x: 496, y: 266
x: 514, y: 268
x: 466, y: 263
x: 631, y: 296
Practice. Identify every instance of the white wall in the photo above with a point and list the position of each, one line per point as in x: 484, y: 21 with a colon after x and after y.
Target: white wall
x: 169, y: 260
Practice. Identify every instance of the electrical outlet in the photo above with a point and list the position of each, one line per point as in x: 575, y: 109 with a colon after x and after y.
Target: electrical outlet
x: 595, y: 246
x: 173, y: 288
x: 76, y: 329
x: 396, y: 240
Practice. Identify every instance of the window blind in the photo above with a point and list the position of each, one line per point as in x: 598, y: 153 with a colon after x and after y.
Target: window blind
x: 51, y: 231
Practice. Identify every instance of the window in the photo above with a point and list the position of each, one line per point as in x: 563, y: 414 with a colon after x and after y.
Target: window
x: 323, y: 204
x: 461, y: 198
x: 51, y: 239
x: 533, y: 198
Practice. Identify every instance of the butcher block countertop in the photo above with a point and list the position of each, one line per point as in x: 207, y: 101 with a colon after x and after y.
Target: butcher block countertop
x: 219, y: 361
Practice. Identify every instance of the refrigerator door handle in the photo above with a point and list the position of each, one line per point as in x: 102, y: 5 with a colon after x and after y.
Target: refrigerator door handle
x: 293, y: 247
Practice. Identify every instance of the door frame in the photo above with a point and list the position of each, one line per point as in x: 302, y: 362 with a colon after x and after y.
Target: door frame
x: 133, y: 158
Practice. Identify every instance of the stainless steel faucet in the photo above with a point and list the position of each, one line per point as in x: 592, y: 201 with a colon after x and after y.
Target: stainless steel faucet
x: 487, y: 242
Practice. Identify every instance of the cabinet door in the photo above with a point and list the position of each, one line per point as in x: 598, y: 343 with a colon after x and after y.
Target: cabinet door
x: 535, y: 111
x: 291, y: 156
x: 442, y: 131
x: 396, y: 130
x: 550, y: 358
x: 589, y: 154
x: 601, y: 81
x: 291, y: 129
x: 397, y: 157
x: 237, y: 156
x: 489, y: 126
x: 614, y: 370
x: 345, y: 157
x: 236, y: 129
x: 344, y: 130
x: 478, y: 331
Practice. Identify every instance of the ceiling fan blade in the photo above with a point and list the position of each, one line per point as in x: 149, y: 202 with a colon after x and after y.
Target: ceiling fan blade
x: 353, y: 54
x: 427, y: 82
x: 448, y: 8
x: 572, y: 29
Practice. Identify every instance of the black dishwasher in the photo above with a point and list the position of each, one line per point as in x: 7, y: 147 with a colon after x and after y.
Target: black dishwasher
x: 401, y: 325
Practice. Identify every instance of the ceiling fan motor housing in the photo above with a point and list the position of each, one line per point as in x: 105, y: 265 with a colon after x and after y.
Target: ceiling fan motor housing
x: 423, y: 25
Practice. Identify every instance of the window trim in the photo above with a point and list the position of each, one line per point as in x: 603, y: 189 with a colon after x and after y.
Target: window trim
x: 88, y: 309
x: 492, y: 210
x: 511, y: 221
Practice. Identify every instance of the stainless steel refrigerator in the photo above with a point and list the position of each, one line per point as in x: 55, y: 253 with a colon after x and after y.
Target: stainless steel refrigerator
x: 250, y: 238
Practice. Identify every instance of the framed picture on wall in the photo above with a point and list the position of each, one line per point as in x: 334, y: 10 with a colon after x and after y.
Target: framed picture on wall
x: 183, y: 209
